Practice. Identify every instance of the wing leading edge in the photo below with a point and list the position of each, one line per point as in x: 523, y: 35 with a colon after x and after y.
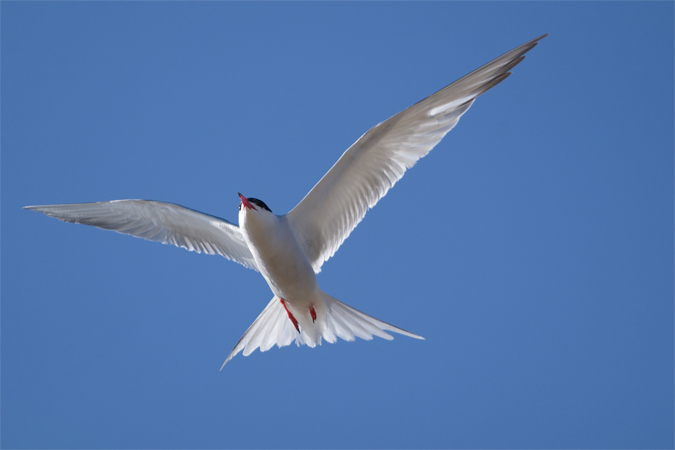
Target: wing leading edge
x: 379, y: 158
x: 167, y: 223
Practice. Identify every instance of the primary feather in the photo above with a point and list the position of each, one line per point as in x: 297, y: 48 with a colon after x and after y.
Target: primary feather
x: 160, y: 222
x: 379, y: 158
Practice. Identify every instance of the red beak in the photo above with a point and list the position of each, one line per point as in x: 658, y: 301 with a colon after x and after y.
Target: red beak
x: 246, y: 203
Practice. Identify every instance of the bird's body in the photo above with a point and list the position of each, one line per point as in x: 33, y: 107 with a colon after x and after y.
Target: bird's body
x: 290, y: 249
x: 279, y: 255
x: 284, y: 265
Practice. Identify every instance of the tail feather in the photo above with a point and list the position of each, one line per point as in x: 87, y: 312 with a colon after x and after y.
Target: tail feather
x: 348, y: 326
x: 335, y: 319
x: 348, y: 322
x: 278, y: 327
x: 268, y: 329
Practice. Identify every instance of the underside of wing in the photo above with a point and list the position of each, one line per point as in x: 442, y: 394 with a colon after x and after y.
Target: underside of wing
x: 160, y: 222
x: 375, y: 162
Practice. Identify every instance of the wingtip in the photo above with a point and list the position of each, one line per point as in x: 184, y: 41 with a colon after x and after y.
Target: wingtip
x: 226, y: 361
x: 533, y: 43
x: 38, y: 208
x: 535, y: 40
x: 414, y: 336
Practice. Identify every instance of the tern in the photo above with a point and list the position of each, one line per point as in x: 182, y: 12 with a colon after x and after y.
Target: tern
x: 289, y: 250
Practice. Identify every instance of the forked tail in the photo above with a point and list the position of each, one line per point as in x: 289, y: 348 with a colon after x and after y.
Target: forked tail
x: 334, y: 319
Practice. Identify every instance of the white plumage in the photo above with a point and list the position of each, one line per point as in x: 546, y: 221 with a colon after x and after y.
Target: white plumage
x: 289, y: 250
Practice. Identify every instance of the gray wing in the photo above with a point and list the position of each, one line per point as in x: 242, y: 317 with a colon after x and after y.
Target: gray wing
x: 375, y: 162
x: 160, y: 222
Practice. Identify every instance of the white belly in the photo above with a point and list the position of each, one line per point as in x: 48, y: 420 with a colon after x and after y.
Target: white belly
x: 280, y: 258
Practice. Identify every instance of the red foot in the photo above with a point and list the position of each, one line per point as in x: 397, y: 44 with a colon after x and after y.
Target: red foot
x: 290, y: 315
x: 312, y: 312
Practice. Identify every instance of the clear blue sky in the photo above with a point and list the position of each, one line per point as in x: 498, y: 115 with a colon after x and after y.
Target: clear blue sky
x: 533, y: 248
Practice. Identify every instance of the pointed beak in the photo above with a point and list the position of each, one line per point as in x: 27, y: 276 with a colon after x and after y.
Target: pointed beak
x: 246, y: 203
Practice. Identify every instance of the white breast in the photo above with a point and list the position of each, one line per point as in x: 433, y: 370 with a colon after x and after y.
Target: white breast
x: 280, y: 257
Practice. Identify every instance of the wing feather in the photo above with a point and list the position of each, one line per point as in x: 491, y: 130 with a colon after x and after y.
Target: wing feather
x: 379, y: 158
x: 167, y: 223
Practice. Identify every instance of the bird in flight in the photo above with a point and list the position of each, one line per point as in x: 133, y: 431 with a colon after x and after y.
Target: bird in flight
x: 289, y: 250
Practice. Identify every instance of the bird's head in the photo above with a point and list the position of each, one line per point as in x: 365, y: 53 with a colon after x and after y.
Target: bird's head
x: 252, y: 204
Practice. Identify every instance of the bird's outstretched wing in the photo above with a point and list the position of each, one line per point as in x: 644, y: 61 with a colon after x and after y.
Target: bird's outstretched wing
x: 375, y: 162
x: 161, y: 222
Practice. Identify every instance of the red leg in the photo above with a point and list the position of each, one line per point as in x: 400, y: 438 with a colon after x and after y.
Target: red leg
x: 290, y: 315
x: 312, y: 312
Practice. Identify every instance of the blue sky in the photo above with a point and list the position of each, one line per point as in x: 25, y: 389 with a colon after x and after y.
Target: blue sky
x: 533, y: 248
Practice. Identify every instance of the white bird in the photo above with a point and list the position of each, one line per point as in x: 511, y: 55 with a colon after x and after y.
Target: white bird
x: 289, y: 250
